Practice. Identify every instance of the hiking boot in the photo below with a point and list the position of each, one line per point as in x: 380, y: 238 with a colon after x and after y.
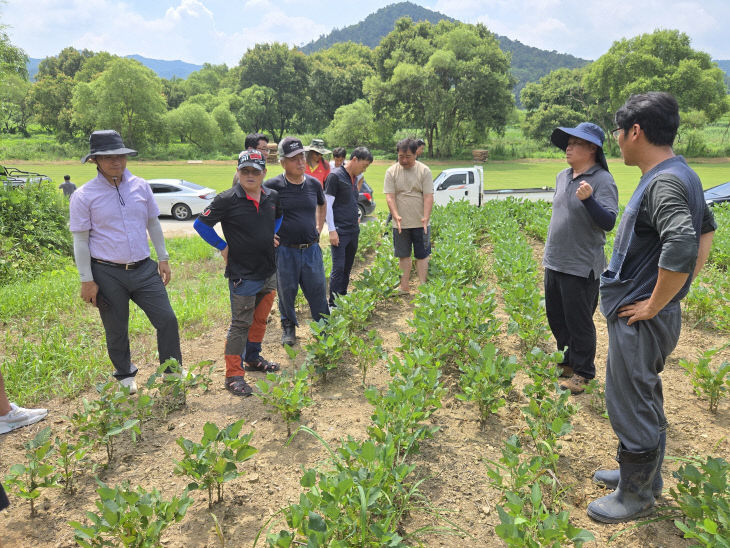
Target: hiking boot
x: 238, y: 386
x: 576, y: 384
x: 19, y: 417
x: 633, y: 498
x: 288, y: 334
x: 564, y: 371
x: 610, y: 478
x: 262, y: 365
x: 130, y: 384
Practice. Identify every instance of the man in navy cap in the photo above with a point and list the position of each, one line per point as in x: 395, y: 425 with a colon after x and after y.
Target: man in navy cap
x: 299, y: 257
x: 110, y: 217
x: 585, y: 206
x: 249, y: 216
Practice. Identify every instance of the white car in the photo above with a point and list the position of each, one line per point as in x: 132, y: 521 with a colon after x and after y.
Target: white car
x: 179, y: 198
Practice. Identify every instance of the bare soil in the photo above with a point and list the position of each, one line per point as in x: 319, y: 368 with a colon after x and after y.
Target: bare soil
x: 453, y: 463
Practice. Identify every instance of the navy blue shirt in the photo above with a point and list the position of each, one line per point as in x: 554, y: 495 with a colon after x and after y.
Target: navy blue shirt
x: 344, y: 209
x: 299, y: 205
x: 248, y: 227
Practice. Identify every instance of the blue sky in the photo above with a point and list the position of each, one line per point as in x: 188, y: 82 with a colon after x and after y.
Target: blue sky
x: 220, y: 31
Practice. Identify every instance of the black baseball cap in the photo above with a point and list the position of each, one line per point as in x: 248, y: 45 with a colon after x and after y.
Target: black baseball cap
x: 290, y: 146
x: 251, y: 158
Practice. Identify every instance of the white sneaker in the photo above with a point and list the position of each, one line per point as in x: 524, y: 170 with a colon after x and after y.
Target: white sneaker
x: 129, y: 383
x: 172, y: 375
x: 19, y: 417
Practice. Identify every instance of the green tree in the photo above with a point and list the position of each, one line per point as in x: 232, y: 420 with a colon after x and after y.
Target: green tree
x: 336, y: 79
x: 175, y: 91
x: 51, y: 99
x: 450, y: 79
x: 12, y: 59
x: 206, y: 80
x: 232, y: 138
x: 353, y: 125
x: 257, y: 109
x: 15, y: 109
x: 660, y: 61
x: 193, y: 124
x: 68, y: 63
x: 127, y: 97
x: 93, y: 66
x: 285, y: 71
x: 558, y: 99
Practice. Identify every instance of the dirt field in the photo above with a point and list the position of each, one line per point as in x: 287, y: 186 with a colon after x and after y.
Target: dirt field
x: 453, y: 463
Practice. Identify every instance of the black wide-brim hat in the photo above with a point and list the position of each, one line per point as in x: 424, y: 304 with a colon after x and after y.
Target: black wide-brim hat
x: 588, y: 132
x: 106, y: 142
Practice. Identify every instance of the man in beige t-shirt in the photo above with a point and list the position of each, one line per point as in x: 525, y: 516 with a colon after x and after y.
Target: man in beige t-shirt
x: 409, y: 193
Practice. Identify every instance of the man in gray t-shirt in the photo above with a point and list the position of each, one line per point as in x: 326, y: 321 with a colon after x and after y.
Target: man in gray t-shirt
x: 585, y: 206
x: 67, y: 186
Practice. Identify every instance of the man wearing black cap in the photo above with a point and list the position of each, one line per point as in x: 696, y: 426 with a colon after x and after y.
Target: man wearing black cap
x: 299, y: 257
x: 585, y: 206
x: 248, y: 215
x: 110, y: 217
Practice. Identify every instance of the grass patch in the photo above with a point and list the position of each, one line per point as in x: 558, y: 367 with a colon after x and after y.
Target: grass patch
x: 54, y: 342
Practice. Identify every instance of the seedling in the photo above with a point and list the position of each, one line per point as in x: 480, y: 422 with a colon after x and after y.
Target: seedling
x: 486, y: 378
x: 72, y: 459
x: 703, y: 495
x: 325, y: 351
x: 708, y: 381
x: 173, y: 386
x: 27, y: 480
x: 367, y: 350
x: 287, y: 394
x: 129, y: 517
x: 213, y: 461
x: 598, y: 397
x: 103, y: 419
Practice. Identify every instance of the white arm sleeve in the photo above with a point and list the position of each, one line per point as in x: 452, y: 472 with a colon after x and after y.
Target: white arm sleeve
x: 330, y: 217
x: 82, y: 255
x: 154, y: 228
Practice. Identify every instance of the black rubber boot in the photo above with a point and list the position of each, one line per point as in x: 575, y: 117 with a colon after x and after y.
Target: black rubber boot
x: 609, y: 478
x: 633, y: 497
x: 288, y: 334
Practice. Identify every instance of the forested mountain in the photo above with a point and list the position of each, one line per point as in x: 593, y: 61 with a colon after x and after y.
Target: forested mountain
x: 163, y: 69
x: 371, y: 30
x: 528, y: 64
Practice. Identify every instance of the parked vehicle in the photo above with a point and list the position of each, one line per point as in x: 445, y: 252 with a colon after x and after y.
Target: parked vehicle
x: 179, y: 198
x: 467, y: 183
x: 718, y: 194
x: 365, y: 201
x: 12, y: 177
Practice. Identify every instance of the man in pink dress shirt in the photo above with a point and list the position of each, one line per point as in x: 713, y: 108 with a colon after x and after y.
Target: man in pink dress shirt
x: 110, y: 217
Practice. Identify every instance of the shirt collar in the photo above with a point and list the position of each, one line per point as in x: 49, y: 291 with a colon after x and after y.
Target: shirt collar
x: 238, y: 191
x: 590, y: 171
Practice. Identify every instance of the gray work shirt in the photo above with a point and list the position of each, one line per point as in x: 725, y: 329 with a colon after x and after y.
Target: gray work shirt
x: 574, y: 243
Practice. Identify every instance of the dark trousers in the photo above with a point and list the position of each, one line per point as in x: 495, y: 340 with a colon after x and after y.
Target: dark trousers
x: 343, y: 256
x: 4, y: 502
x: 144, y: 287
x: 301, y: 267
x: 570, y: 302
x: 636, y: 356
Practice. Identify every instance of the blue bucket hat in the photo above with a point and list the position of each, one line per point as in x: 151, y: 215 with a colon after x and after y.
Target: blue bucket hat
x: 588, y: 132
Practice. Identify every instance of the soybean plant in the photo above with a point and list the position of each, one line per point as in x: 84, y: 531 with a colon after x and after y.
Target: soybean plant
x: 708, y: 381
x: 287, y: 394
x: 367, y: 350
x: 486, y: 378
x: 129, y: 517
x: 27, y: 480
x: 214, y: 460
x: 72, y: 459
x: 103, y: 419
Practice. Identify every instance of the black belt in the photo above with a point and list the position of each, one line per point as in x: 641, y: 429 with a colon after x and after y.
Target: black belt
x: 299, y: 246
x: 125, y: 266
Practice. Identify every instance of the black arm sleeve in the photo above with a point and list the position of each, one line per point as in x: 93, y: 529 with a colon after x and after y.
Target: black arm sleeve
x: 602, y: 217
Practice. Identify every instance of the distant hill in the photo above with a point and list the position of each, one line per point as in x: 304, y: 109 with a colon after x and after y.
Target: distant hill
x: 528, y: 64
x: 163, y: 69
x: 725, y: 66
x: 371, y: 30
